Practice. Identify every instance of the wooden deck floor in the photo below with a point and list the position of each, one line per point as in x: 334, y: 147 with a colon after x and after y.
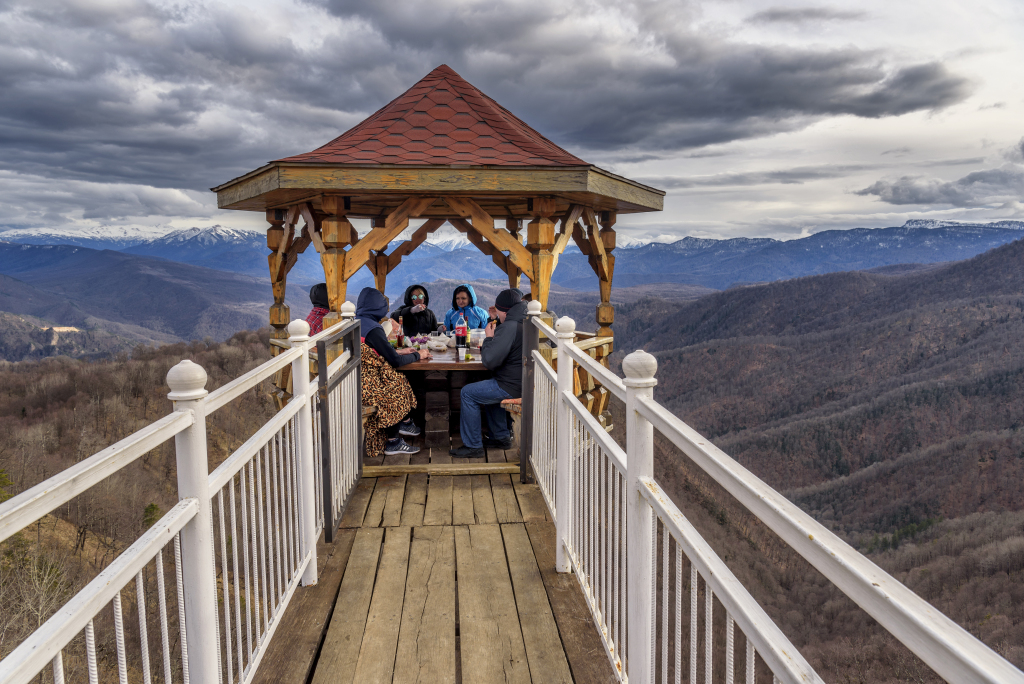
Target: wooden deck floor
x: 439, y: 579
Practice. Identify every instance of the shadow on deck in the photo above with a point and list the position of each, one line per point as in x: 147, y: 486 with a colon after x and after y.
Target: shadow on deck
x: 439, y: 579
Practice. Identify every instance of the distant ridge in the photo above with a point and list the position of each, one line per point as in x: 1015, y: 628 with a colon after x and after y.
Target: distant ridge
x: 706, y: 262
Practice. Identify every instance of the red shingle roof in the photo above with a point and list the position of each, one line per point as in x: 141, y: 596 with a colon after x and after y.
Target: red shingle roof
x: 442, y: 120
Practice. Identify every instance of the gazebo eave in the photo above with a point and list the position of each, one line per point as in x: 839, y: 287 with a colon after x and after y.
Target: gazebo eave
x: 373, y: 187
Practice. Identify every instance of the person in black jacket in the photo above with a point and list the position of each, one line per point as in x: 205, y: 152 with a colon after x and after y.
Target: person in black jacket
x: 502, y: 353
x: 417, y: 318
x: 371, y: 308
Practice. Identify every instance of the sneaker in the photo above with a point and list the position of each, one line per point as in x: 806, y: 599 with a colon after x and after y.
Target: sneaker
x: 497, y: 443
x: 398, y: 446
x: 467, y: 452
x: 407, y: 428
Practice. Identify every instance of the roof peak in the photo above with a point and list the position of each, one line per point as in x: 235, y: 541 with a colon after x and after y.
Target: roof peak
x: 442, y: 120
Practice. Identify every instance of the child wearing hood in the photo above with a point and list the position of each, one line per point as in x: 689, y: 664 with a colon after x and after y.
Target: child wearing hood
x: 464, y: 302
x: 417, y: 318
x: 318, y: 298
x: 383, y: 386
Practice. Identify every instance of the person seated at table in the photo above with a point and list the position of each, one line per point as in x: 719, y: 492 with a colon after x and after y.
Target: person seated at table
x: 502, y: 354
x: 321, y: 307
x: 383, y: 386
x: 464, y: 302
x: 417, y: 319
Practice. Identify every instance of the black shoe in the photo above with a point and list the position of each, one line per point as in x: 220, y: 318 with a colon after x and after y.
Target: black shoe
x: 407, y: 428
x: 497, y: 443
x: 398, y: 447
x: 467, y: 452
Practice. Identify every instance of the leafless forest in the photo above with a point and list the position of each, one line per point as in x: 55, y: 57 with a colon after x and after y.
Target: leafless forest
x: 57, y: 411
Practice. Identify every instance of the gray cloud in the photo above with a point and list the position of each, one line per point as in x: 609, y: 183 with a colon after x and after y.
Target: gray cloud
x: 794, y: 176
x: 801, y: 15
x: 1003, y: 186
x: 192, y: 95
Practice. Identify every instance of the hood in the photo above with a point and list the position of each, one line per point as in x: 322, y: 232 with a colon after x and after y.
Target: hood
x: 318, y: 296
x: 371, y: 307
x: 468, y: 289
x: 517, y: 312
x: 408, y: 295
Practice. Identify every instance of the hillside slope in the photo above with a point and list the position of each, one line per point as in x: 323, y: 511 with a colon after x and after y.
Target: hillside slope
x: 149, y: 299
x: 889, y: 408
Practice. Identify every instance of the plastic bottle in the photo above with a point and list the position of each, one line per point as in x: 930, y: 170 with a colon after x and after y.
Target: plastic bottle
x: 461, y: 332
x: 461, y: 337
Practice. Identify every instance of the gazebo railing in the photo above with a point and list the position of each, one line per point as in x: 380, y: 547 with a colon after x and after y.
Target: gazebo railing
x: 243, y: 536
x: 653, y: 584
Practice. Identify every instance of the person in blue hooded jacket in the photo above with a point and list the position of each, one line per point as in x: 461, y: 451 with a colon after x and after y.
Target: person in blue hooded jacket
x: 464, y: 302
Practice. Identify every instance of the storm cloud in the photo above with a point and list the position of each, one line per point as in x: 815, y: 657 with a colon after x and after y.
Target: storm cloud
x: 800, y: 15
x: 1002, y: 186
x: 188, y: 96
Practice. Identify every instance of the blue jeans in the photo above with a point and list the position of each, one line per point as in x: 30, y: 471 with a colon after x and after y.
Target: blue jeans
x: 486, y: 396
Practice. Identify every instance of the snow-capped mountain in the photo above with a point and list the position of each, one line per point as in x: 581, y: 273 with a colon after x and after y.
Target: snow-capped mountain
x: 102, y: 237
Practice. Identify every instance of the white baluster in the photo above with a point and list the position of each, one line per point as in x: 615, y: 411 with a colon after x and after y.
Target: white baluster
x: 187, y: 381
x: 298, y: 335
x: 566, y: 331
x: 639, y: 368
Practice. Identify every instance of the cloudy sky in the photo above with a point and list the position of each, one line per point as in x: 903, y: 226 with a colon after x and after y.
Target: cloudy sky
x: 774, y: 119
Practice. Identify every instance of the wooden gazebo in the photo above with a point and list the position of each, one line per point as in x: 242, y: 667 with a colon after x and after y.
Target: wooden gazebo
x: 445, y: 152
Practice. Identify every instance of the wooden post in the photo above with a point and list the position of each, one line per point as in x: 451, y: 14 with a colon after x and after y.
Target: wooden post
x: 531, y: 338
x: 336, y: 233
x: 513, y: 225
x: 565, y: 332
x: 277, y: 242
x: 187, y: 381
x: 540, y: 238
x: 639, y: 368
x: 605, y: 310
x: 298, y: 336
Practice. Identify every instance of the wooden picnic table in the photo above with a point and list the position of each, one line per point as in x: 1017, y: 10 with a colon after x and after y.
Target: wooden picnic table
x: 446, y: 361
x: 437, y: 383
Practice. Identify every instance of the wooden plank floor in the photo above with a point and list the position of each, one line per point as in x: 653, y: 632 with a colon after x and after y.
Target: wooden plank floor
x: 451, y: 579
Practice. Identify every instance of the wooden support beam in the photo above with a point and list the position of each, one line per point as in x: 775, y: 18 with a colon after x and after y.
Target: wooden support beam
x: 499, y: 259
x: 483, y: 223
x: 562, y: 240
x: 605, y: 310
x: 413, y: 242
x: 379, y: 237
x: 336, y: 233
x: 513, y: 226
x: 540, y: 239
x: 441, y: 469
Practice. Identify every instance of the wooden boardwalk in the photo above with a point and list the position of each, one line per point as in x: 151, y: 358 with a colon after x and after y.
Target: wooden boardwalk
x: 435, y: 578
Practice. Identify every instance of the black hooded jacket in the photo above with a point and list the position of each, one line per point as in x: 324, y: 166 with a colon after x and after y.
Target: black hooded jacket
x: 421, y: 323
x: 503, y: 353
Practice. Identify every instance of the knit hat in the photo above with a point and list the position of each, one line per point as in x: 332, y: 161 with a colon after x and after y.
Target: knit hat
x: 506, y: 299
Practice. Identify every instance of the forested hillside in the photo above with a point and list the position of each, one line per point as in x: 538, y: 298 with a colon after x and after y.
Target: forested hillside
x: 889, y: 407
x: 58, y: 411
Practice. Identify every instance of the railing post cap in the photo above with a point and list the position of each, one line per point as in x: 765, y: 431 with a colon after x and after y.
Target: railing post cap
x: 348, y: 310
x: 187, y: 381
x: 565, y: 326
x: 298, y: 330
x: 640, y: 368
x: 533, y: 308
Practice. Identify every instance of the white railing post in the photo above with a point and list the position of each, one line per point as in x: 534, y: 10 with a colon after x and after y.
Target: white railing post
x: 298, y: 336
x: 639, y: 368
x: 348, y: 311
x: 187, y: 381
x: 566, y: 331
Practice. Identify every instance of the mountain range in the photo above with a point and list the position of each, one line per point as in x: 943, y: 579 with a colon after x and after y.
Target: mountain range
x: 711, y: 263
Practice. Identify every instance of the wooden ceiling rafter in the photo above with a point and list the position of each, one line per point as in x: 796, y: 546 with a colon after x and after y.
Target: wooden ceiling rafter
x: 483, y: 223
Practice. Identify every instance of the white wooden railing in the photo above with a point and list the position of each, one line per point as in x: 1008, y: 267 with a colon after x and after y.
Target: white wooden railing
x: 653, y: 583
x: 243, y: 536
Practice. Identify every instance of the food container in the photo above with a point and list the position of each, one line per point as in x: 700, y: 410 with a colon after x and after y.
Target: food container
x: 476, y: 338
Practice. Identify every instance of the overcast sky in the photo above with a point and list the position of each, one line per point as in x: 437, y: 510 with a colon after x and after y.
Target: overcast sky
x: 770, y: 119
